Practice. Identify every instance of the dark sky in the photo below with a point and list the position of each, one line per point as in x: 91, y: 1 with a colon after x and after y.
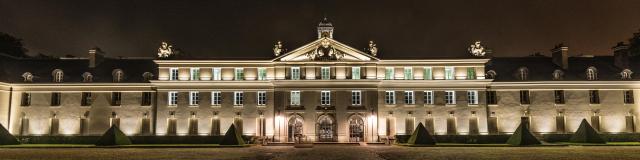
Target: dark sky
x: 239, y: 28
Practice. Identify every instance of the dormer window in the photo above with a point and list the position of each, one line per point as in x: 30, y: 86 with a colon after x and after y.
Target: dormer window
x: 58, y: 75
x: 87, y: 77
x: 592, y: 73
x: 147, y: 76
x: 28, y: 77
x: 557, y: 74
x: 523, y: 73
x: 491, y: 74
x: 118, y: 75
x: 625, y: 74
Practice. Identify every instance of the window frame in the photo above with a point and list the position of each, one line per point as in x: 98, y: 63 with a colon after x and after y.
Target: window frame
x: 409, y: 98
x: 389, y: 73
x: 390, y: 97
x: 472, y: 97
x: 294, y: 97
x: 594, y: 97
x: 428, y: 73
x: 238, y: 74
x: 325, y: 73
x: 194, y: 74
x: 628, y: 97
x: 471, y: 73
x: 449, y: 73
x: 356, y: 72
x: 194, y: 98
x: 238, y: 98
x: 216, y: 74
x: 262, y: 73
x: 356, y: 97
x: 174, y: 73
x: 559, y: 97
x: 428, y: 97
x: 408, y: 73
x: 25, y: 99
x: 216, y: 98
x: 450, y: 97
x: 325, y: 98
x: 295, y: 73
x: 525, y: 97
x: 261, y: 98
x: 492, y: 97
x: 172, y: 98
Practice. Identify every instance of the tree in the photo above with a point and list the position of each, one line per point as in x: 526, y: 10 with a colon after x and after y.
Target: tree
x: 11, y: 45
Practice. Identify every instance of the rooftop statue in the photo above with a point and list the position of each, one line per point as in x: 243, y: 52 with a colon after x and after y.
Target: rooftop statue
x: 165, y: 50
x: 373, y: 49
x: 477, y: 49
x: 277, y: 49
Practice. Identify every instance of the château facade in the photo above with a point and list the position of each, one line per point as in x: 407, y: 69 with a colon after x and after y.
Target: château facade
x: 324, y: 91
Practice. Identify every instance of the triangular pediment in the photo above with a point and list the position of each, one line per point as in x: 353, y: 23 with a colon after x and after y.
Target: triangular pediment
x: 325, y: 49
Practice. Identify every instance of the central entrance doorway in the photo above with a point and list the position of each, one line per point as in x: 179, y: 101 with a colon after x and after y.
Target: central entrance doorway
x: 295, y: 128
x: 356, y: 129
x: 326, y: 129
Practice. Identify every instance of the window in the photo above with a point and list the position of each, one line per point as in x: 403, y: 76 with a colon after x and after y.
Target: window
x: 239, y: 74
x: 238, y: 98
x: 408, y: 73
x: 523, y: 73
x: 389, y: 73
x: 524, y: 97
x: 194, y: 98
x: 449, y: 73
x: 55, y: 98
x: 558, y: 96
x: 116, y: 98
x: 194, y: 74
x: 408, y: 97
x: 390, y: 97
x: 471, y: 73
x: 26, y: 99
x: 594, y: 97
x: 295, y: 98
x: 325, y: 73
x: 146, y: 99
x: 217, y: 74
x: 216, y: 98
x: 355, y: 73
x: 86, y: 99
x: 472, y: 97
x: 450, y: 97
x: 173, y: 74
x: 295, y: 73
x: 628, y: 97
x: 262, y: 98
x: 325, y: 97
x: 428, y: 75
x: 262, y: 74
x: 492, y: 97
x: 428, y: 97
x: 172, y: 98
x: 356, y: 98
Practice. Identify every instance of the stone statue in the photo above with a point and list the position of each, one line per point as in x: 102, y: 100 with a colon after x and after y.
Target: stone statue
x: 277, y: 49
x: 325, y: 51
x: 477, y: 49
x: 165, y: 50
x: 373, y: 49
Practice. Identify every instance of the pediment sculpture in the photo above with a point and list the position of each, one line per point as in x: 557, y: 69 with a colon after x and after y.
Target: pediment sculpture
x: 165, y: 50
x: 325, y: 51
x: 476, y: 49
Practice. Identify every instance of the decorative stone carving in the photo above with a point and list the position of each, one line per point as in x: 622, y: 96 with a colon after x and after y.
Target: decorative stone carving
x: 165, y: 50
x: 373, y: 50
x: 476, y: 49
x: 325, y: 51
x: 277, y: 49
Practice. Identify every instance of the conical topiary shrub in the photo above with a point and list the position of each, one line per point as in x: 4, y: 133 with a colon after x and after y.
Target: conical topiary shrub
x: 113, y: 137
x: 232, y: 137
x: 522, y: 137
x: 421, y: 136
x: 6, y: 138
x: 586, y: 134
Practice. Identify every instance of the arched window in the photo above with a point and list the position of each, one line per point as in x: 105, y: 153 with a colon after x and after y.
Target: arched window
x: 491, y: 74
x: 625, y: 74
x: 147, y: 76
x: 592, y: 73
x: 28, y: 77
x: 523, y: 73
x: 118, y: 75
x: 557, y: 74
x: 87, y: 77
x: 58, y: 75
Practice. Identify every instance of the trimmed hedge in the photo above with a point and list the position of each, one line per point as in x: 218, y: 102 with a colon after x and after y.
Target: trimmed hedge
x: 621, y: 137
x: 134, y: 139
x: 468, y: 139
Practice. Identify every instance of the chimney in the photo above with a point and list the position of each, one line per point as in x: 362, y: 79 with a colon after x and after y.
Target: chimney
x: 96, y: 55
x: 621, y: 55
x: 560, y: 56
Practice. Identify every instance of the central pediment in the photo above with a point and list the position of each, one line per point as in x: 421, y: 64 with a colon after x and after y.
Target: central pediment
x: 326, y: 49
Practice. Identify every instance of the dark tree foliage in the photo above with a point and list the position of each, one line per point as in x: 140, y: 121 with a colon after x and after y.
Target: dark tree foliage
x: 6, y: 138
x: 586, y: 134
x: 113, y: 137
x: 523, y: 137
x: 421, y: 136
x: 11, y: 45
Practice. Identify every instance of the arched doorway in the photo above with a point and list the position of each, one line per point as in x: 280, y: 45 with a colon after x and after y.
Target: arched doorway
x: 356, y: 129
x: 326, y: 129
x: 294, y: 128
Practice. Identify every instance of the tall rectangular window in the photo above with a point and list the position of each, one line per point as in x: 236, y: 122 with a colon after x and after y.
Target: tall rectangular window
x: 471, y: 73
x: 428, y: 97
x: 116, y: 98
x: 217, y: 74
x: 262, y: 74
x: 492, y: 97
x: 238, y: 98
x: 428, y: 75
x: 355, y: 72
x: 172, y: 98
x: 356, y: 98
x: 408, y: 73
x: 238, y: 74
x: 408, y: 97
x: 594, y: 97
x: 524, y: 97
x: 558, y: 96
x: 295, y: 73
x: 262, y: 98
x: 86, y: 99
x: 450, y: 97
x: 173, y: 74
x: 194, y: 74
x: 216, y: 98
x: 390, y: 97
x: 295, y: 98
x: 25, y: 99
x: 146, y: 99
x: 389, y: 73
x: 449, y: 73
x: 472, y: 97
x: 628, y: 97
x: 325, y: 72
x: 55, y: 98
x: 325, y: 97
x: 194, y: 98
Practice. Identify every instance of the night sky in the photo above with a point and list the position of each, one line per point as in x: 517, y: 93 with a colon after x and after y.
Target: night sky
x: 238, y: 28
